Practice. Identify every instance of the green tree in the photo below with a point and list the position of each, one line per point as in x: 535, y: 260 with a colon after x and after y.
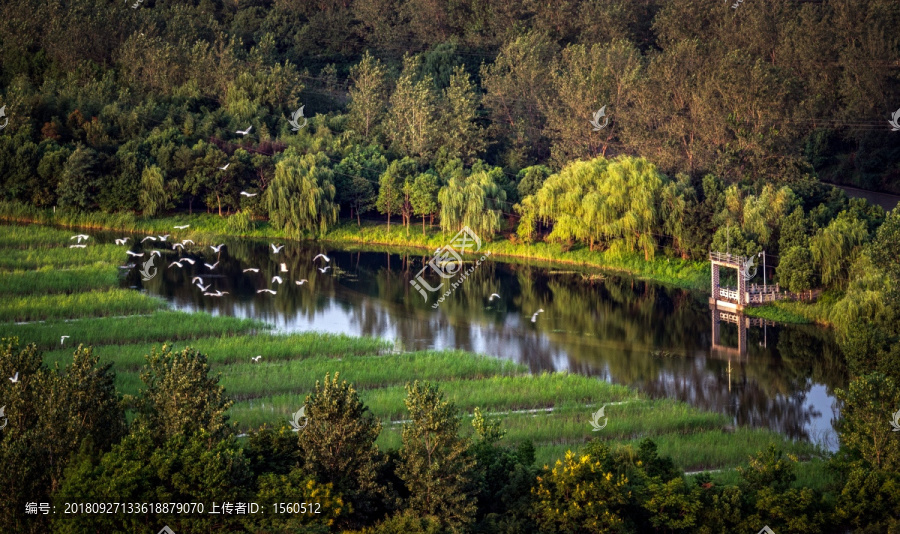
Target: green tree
x: 48, y: 415
x: 368, y: 94
x: 324, y: 506
x: 423, y: 196
x: 301, y: 196
x: 355, y: 178
x: 338, y: 447
x: 460, y: 134
x: 435, y: 464
x: 154, y: 198
x: 476, y: 202
x: 82, y: 179
x: 411, y: 123
x: 391, y: 184
x: 795, y: 269
x: 835, y: 247
x: 179, y: 396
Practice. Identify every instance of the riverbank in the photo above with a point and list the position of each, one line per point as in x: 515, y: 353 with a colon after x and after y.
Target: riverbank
x: 553, y: 410
x: 684, y: 274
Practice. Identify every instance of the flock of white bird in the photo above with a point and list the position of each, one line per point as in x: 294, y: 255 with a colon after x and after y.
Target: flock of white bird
x: 198, y: 280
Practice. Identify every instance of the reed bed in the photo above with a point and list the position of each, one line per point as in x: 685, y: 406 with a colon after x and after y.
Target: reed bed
x: 61, y: 258
x: 19, y: 236
x: 89, y: 304
x: 156, y: 327
x: 495, y: 393
x: 50, y: 280
x: 228, y: 350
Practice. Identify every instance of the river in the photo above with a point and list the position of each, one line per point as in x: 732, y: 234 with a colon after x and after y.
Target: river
x: 651, y: 337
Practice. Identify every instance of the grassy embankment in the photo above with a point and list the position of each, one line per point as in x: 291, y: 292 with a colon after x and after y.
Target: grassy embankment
x: 207, y: 228
x: 553, y: 410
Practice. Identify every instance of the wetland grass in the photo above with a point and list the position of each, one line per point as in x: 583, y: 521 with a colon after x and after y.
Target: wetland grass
x: 111, y: 302
x: 160, y: 326
x: 61, y: 258
x: 50, y: 280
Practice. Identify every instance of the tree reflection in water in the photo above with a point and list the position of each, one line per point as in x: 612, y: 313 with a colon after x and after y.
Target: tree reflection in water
x: 655, y: 338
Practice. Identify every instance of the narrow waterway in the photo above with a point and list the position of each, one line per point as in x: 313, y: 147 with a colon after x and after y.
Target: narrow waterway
x: 654, y: 338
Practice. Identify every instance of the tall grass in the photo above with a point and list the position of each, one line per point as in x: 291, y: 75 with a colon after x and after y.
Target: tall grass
x: 50, y: 280
x: 226, y: 350
x: 493, y: 394
x: 159, y: 326
x: 13, y: 259
x: 33, y: 236
x: 90, y: 304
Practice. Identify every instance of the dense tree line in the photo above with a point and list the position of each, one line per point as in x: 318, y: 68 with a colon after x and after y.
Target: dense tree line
x: 68, y: 441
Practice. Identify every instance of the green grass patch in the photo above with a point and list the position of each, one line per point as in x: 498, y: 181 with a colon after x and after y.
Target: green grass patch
x: 13, y: 236
x: 237, y: 349
x: 787, y: 311
x: 496, y: 393
x: 159, y: 326
x: 90, y: 304
x: 50, y: 280
x: 61, y: 258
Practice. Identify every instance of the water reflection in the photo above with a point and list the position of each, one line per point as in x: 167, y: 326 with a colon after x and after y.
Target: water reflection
x: 664, y: 341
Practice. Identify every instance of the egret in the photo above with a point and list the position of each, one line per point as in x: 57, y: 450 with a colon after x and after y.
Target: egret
x: 327, y: 259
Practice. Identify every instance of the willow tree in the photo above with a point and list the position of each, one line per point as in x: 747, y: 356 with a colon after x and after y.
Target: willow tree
x: 476, y: 202
x: 301, y: 196
x: 153, y: 196
x: 605, y: 200
x: 835, y: 247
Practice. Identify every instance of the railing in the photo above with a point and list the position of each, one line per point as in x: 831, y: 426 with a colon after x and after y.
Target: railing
x: 730, y: 294
x: 723, y: 257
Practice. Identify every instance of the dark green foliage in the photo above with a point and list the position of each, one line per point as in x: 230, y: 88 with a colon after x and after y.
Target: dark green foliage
x: 795, y: 270
x: 338, y: 447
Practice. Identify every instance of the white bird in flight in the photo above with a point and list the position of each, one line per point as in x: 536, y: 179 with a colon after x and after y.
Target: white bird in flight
x: 183, y: 227
x: 301, y: 282
x: 225, y: 167
x: 284, y: 268
x: 155, y: 253
x: 327, y: 259
x: 150, y: 237
x: 251, y: 269
x: 122, y: 241
x: 180, y: 266
x: 186, y: 241
x: 534, y: 317
x: 277, y: 279
x: 217, y: 294
x: 177, y: 245
x: 15, y: 378
x: 276, y: 249
x: 203, y: 287
x: 62, y: 339
x: 246, y: 194
x: 77, y: 246
x: 266, y: 291
x: 216, y: 249
x: 188, y: 260
x: 493, y: 296
x: 211, y: 267
x: 196, y: 279
x: 164, y: 237
x: 245, y: 132
x: 321, y: 270
x: 79, y: 237
x: 135, y: 254
x: 256, y: 358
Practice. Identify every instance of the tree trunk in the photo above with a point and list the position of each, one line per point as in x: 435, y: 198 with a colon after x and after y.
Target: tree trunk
x: 389, y: 222
x: 423, y: 225
x: 358, y: 221
x: 219, y: 201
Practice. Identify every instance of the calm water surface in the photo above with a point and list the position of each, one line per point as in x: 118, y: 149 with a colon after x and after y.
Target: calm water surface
x: 654, y: 338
